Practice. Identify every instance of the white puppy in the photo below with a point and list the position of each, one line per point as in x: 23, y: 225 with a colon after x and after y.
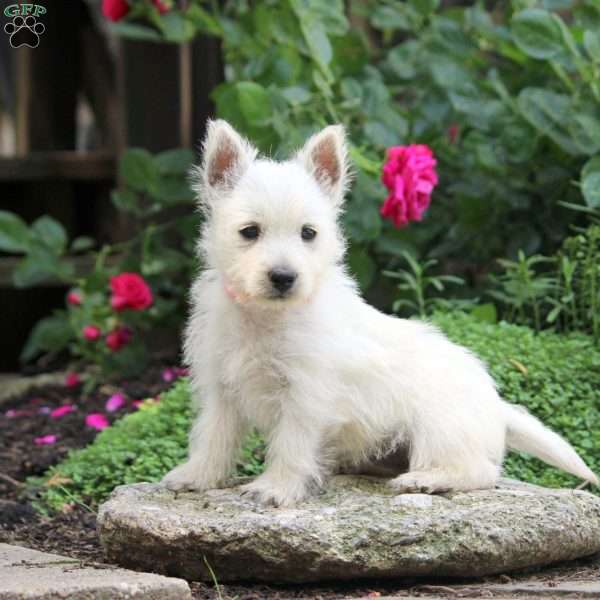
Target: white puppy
x: 279, y: 339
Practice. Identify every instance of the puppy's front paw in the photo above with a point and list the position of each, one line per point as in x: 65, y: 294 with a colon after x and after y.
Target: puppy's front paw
x: 270, y: 493
x: 187, y: 476
x: 420, y: 482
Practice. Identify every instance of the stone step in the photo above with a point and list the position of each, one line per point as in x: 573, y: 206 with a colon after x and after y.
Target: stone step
x: 31, y: 575
x: 356, y: 528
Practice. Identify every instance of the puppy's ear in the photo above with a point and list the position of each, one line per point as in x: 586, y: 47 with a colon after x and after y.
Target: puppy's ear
x: 325, y: 156
x: 226, y: 156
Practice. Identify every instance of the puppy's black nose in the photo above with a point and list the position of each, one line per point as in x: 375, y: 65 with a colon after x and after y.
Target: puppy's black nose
x: 282, y: 280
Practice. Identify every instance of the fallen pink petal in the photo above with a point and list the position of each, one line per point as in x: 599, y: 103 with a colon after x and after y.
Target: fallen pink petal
x: 12, y: 413
x: 115, y: 402
x: 61, y: 411
x: 45, y: 440
x: 169, y: 375
x: 97, y: 421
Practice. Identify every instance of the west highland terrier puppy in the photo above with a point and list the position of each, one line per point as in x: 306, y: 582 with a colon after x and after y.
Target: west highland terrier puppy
x: 280, y: 339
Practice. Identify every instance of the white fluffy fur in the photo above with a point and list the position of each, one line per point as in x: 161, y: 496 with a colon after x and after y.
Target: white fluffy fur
x: 328, y: 379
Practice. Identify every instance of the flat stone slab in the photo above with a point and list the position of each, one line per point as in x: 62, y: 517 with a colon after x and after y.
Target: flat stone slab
x: 31, y: 575
x: 582, y: 589
x: 356, y: 528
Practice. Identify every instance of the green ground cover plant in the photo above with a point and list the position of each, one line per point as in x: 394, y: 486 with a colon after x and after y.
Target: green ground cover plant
x: 560, y: 292
x: 557, y: 377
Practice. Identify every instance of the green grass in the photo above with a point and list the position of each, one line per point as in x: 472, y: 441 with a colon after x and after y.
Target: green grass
x: 556, y: 377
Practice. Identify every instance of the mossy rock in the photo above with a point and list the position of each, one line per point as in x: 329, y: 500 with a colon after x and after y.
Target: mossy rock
x: 356, y: 528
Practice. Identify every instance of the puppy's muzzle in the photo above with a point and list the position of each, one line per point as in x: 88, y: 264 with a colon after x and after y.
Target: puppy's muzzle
x: 282, y: 280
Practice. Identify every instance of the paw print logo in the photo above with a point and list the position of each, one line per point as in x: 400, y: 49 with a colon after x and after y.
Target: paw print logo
x: 24, y: 31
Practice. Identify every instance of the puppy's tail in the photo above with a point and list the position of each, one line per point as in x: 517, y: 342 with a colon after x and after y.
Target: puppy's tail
x: 526, y: 433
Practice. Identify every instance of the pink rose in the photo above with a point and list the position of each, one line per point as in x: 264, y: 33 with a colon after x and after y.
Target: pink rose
x: 129, y: 290
x: 162, y: 6
x: 74, y: 298
x: 453, y: 132
x: 118, y: 338
x: 72, y: 380
x: 97, y: 421
x: 114, y: 10
x: 61, y: 411
x: 91, y: 333
x: 409, y: 175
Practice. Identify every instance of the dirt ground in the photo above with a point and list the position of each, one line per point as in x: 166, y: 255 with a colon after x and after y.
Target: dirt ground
x: 73, y: 533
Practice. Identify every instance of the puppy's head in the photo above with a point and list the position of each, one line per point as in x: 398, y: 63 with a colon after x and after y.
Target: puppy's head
x: 271, y: 228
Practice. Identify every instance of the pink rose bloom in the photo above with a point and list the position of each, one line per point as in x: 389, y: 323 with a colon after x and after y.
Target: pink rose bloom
x: 97, y: 421
x: 453, y: 132
x: 72, y: 380
x: 45, y: 440
x: 118, y: 338
x: 115, y: 402
x: 409, y: 175
x: 129, y: 290
x: 162, y: 6
x: 114, y: 10
x: 91, y: 333
x: 61, y: 411
x: 74, y: 298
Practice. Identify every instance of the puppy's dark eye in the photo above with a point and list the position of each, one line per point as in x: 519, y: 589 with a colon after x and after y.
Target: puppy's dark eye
x: 251, y: 232
x: 308, y: 233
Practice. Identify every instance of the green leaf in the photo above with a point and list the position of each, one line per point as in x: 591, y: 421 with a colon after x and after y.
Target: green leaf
x: 176, y: 28
x: 138, y: 170
x: 590, y: 182
x: 173, y: 190
x: 82, y: 243
x: 424, y: 7
x: 125, y: 200
x: 485, y: 312
x: 14, y: 233
x: 314, y: 34
x: 591, y: 42
x: 401, y: 59
x: 253, y: 101
x: 296, y: 95
x: 51, y: 233
x: 51, y: 334
x: 391, y: 17
x: 538, y: 33
x: 362, y: 266
x: 135, y: 32
x: 549, y: 112
x: 203, y: 20
x: 35, y: 269
x: 380, y: 135
x: 174, y: 162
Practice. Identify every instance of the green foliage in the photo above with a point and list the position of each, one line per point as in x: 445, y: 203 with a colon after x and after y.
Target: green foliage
x: 142, y: 446
x: 507, y: 98
x: 416, y: 283
x: 153, y: 190
x: 560, y: 291
x: 43, y: 245
x: 556, y: 377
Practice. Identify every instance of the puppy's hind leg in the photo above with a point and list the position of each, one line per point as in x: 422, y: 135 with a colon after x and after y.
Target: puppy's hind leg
x: 447, y: 479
